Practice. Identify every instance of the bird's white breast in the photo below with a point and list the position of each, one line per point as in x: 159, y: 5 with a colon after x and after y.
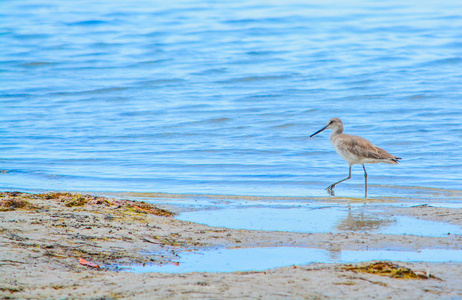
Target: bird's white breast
x: 349, y: 157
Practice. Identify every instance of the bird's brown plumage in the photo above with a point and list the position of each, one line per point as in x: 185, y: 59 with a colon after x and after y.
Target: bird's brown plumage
x: 361, y: 147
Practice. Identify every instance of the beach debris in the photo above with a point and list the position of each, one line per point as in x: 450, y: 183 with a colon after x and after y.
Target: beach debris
x: 86, y: 263
x: 145, y: 208
x: 171, y: 240
x: 13, y: 200
x: 73, y: 199
x: 18, y: 200
x: 389, y: 269
x: 152, y: 240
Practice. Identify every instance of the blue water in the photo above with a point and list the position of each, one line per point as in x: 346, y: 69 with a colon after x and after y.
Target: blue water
x: 259, y: 259
x: 220, y: 97
x: 316, y: 219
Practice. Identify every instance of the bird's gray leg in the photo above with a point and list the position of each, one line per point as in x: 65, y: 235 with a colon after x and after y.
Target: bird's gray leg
x: 365, y: 181
x: 330, y: 188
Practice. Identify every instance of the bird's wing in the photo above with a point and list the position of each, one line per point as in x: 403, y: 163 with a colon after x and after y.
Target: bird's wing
x: 361, y: 147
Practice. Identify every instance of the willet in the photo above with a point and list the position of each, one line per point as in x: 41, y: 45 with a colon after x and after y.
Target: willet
x: 355, y: 151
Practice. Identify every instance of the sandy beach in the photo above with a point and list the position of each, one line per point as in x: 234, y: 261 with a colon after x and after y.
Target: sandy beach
x: 63, y: 245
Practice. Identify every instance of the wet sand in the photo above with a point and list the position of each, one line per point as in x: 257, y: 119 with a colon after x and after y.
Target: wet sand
x: 45, y: 235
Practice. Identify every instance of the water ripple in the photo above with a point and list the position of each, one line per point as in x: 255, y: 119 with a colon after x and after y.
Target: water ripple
x: 221, y: 97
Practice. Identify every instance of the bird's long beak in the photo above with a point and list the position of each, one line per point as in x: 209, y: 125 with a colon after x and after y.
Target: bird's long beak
x: 318, y: 131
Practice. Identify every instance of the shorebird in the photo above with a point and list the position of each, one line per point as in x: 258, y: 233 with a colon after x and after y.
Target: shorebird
x: 355, y: 150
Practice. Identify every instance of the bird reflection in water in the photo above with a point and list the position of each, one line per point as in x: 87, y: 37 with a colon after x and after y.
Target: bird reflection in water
x: 360, y: 221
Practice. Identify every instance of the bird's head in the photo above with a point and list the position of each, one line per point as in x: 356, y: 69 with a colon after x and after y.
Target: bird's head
x: 335, y: 124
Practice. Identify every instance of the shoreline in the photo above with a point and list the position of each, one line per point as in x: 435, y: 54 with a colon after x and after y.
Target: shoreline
x: 46, y: 234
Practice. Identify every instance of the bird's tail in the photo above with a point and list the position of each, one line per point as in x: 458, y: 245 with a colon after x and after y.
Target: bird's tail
x: 395, y: 160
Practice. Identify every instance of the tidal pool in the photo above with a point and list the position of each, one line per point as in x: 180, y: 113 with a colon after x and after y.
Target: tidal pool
x: 318, y: 220
x: 258, y: 259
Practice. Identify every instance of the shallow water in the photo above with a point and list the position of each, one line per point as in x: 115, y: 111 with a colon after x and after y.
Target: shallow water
x: 258, y: 259
x: 220, y: 97
x: 319, y: 219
